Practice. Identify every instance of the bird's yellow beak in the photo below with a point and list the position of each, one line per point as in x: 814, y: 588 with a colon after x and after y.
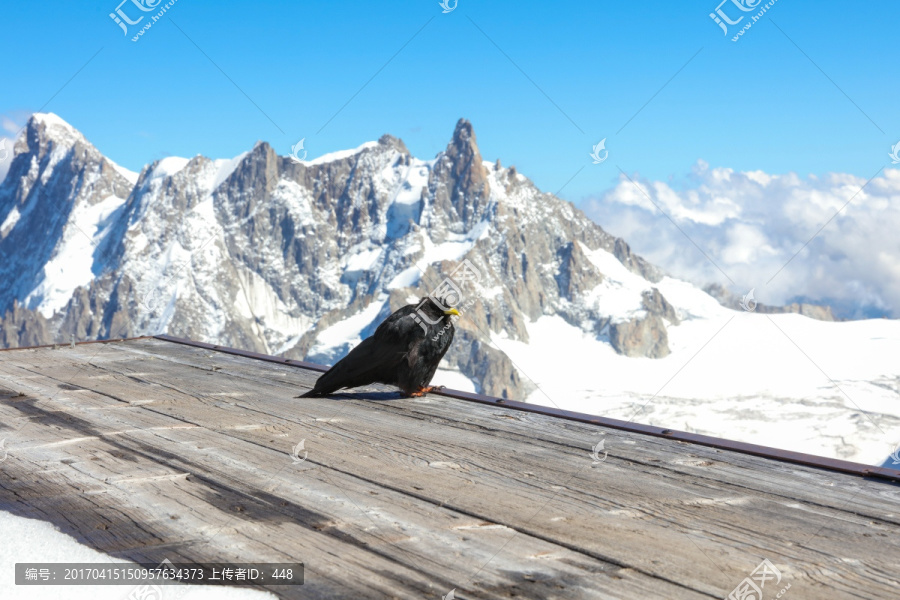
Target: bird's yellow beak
x: 452, y: 311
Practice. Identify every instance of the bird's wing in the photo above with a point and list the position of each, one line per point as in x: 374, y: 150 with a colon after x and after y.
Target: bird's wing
x: 442, y: 345
x: 375, y: 358
x: 397, y: 325
x: 401, y: 333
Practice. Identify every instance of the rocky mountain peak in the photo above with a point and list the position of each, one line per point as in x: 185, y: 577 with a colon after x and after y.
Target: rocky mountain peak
x: 390, y: 141
x: 57, y: 183
x: 49, y: 143
x: 460, y: 180
x: 45, y: 132
x: 463, y: 144
x: 50, y: 126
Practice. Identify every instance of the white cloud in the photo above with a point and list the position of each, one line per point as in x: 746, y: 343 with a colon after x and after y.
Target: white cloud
x: 9, y: 126
x: 751, y: 224
x: 9, y: 123
x: 6, y: 155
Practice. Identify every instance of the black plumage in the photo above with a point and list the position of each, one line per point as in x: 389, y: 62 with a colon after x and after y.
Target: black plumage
x: 405, y: 351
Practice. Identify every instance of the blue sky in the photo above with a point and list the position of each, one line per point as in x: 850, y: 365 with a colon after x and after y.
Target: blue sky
x: 759, y: 103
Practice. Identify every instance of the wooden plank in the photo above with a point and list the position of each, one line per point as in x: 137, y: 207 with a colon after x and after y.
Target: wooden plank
x: 692, y: 464
x: 386, y: 543
x: 647, y: 449
x: 694, y: 519
x: 701, y: 501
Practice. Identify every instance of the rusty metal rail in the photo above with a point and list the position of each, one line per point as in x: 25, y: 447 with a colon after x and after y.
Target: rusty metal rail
x: 809, y: 460
x: 68, y: 344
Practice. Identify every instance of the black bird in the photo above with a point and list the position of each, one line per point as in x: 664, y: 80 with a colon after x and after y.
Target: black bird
x: 404, y: 351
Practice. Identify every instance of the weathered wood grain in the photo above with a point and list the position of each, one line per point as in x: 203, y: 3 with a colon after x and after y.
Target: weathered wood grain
x: 148, y: 449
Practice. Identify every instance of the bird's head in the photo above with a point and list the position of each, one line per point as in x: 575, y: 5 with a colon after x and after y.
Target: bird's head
x: 436, y: 309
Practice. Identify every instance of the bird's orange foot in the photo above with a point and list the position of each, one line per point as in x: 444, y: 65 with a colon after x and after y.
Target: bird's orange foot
x: 424, y: 390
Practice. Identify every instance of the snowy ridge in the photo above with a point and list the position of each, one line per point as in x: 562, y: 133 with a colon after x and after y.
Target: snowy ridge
x: 340, y: 154
x: 72, y: 264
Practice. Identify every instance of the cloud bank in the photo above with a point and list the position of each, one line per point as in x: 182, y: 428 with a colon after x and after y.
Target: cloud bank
x: 752, y: 223
x: 8, y: 130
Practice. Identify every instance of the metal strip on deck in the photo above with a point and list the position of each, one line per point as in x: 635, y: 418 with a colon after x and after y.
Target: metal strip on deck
x: 107, y: 341
x: 810, y: 460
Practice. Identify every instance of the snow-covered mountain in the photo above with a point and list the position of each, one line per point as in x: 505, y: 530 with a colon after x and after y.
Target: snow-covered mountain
x: 304, y: 259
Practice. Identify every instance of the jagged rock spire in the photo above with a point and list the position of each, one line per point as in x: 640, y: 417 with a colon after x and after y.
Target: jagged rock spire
x: 460, y: 181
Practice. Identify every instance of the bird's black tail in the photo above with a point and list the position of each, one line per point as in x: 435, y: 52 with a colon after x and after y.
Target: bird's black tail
x: 328, y: 383
x: 320, y: 391
x: 359, y: 367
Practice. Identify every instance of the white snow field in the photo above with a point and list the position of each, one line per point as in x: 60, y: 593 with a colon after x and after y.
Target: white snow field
x: 783, y: 380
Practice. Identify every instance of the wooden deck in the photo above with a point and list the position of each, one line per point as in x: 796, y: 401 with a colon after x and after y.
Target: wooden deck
x: 148, y: 449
